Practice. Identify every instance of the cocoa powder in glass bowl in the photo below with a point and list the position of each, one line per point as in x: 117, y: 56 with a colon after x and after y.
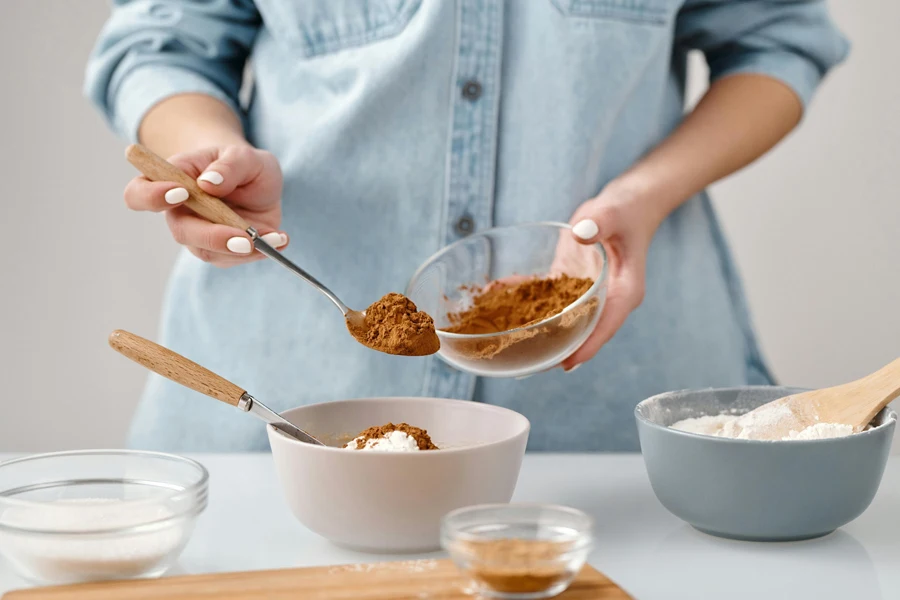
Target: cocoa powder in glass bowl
x: 526, y: 551
x: 501, y: 306
x: 542, y: 268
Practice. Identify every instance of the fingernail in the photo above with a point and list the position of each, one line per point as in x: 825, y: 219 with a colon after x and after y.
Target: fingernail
x: 572, y: 369
x: 239, y: 245
x: 275, y: 239
x: 213, y: 177
x: 586, y: 229
x: 176, y: 195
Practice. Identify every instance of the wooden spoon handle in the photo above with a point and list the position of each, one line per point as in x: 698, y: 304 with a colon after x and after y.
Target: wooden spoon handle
x: 209, y: 207
x: 883, y: 384
x: 172, y: 365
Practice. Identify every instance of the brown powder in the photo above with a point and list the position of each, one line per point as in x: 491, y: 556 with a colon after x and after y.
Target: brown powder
x: 503, y: 307
x: 518, y: 566
x: 394, y: 325
x: 373, y: 433
x: 497, y: 308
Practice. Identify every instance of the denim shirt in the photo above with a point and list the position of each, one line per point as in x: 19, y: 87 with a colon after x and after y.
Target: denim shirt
x: 403, y: 125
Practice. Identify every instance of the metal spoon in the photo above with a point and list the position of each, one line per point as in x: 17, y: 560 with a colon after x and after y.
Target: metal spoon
x: 213, y: 209
x: 179, y: 369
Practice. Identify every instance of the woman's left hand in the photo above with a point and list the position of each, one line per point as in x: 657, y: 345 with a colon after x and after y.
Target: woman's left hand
x: 620, y: 219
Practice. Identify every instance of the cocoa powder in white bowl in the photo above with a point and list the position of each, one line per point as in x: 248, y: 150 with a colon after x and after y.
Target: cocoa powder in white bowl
x: 393, y: 502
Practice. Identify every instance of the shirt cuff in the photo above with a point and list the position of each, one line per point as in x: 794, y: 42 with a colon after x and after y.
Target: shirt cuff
x: 795, y: 71
x: 147, y: 86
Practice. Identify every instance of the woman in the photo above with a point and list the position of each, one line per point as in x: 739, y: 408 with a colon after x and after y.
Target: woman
x: 378, y: 131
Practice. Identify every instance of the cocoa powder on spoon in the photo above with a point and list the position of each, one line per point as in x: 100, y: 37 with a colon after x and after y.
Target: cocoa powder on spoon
x: 396, y: 326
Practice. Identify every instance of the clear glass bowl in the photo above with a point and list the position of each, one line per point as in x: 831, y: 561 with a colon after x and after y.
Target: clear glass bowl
x: 518, y: 551
x: 443, y: 284
x: 70, y: 517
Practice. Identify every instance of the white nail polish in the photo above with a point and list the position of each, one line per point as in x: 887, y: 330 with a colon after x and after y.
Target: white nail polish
x: 239, y: 245
x: 586, y: 229
x: 213, y: 177
x: 573, y: 368
x: 275, y: 239
x: 176, y: 195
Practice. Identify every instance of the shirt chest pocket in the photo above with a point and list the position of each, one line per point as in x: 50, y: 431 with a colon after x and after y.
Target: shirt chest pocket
x: 651, y: 12
x: 323, y: 26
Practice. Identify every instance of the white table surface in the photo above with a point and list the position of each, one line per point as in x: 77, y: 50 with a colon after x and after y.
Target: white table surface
x: 647, y: 551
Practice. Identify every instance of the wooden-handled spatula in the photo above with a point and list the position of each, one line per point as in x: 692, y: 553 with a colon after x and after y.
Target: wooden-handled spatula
x: 854, y: 404
x: 179, y: 369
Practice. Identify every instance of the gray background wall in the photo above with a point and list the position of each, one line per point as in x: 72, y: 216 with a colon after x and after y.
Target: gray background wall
x: 814, y: 227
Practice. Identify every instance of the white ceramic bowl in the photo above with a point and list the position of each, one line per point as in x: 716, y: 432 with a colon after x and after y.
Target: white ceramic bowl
x: 394, y: 502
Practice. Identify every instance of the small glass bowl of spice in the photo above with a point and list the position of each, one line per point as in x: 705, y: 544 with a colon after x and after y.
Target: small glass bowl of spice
x: 518, y: 551
x: 512, y: 301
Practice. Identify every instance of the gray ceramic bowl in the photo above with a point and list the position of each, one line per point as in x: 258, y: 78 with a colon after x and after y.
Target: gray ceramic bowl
x: 756, y: 490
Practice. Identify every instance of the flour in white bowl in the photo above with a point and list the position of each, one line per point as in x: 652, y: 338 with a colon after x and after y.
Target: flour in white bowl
x: 73, y: 556
x: 395, y: 441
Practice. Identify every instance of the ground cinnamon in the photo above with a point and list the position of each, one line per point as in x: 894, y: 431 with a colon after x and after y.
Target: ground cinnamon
x: 394, y: 325
x: 420, y: 435
x: 515, y: 566
x: 503, y: 307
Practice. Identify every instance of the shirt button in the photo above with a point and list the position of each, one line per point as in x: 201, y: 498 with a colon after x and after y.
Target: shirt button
x: 465, y: 225
x: 471, y: 90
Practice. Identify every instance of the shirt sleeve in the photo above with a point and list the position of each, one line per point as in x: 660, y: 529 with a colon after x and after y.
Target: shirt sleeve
x: 153, y: 49
x: 793, y: 41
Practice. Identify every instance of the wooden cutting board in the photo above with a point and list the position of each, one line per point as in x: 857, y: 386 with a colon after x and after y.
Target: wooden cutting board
x: 409, y: 580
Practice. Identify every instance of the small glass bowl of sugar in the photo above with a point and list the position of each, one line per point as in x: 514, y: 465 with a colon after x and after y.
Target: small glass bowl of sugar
x: 71, y: 517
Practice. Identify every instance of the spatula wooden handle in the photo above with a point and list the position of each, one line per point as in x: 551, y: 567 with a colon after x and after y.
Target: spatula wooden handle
x: 856, y: 403
x: 172, y: 365
x: 155, y: 168
x: 884, y: 384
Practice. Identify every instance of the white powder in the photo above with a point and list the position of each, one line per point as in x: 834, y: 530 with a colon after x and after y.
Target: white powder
x: 70, y: 558
x: 408, y: 566
x: 395, y: 441
x: 759, y: 425
x: 821, y: 431
x: 706, y: 425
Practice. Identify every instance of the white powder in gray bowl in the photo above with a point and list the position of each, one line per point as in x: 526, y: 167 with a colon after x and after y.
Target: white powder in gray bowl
x: 754, y: 425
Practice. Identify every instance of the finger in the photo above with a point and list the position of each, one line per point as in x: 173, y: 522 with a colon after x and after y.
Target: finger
x: 615, y: 312
x: 236, y: 166
x: 145, y: 195
x: 625, y: 294
x: 156, y: 196
x: 223, y: 261
x: 586, y: 231
x: 196, y: 232
x: 596, y: 221
x: 276, y: 239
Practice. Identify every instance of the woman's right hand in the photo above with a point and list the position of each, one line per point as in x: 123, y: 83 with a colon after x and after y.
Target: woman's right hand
x: 250, y: 182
